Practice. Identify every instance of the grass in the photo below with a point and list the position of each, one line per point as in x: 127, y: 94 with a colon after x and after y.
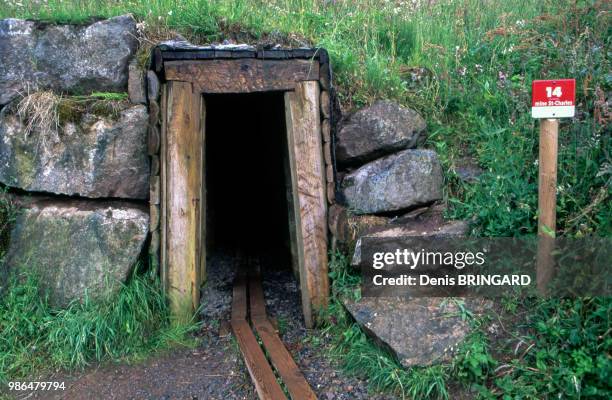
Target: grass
x: 125, y: 327
x: 361, y: 357
x: 549, y: 348
x: 466, y: 65
x: 8, y: 213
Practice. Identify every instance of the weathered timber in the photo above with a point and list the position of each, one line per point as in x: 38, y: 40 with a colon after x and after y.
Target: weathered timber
x: 284, y: 364
x: 154, y: 245
x: 201, y: 243
x: 327, y: 154
x: 152, y: 86
x: 155, y: 166
x: 324, y: 76
x: 163, y: 259
x: 183, y: 200
x: 331, y: 193
x: 291, y: 216
x: 308, y: 179
x: 261, y: 374
x: 154, y: 217
x: 242, y: 75
x: 329, y: 173
x: 153, y: 143
x: 325, y: 104
x: 155, y: 192
x: 239, y: 295
x: 326, y: 130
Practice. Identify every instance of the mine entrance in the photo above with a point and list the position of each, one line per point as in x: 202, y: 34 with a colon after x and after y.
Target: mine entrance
x: 247, y: 181
x: 242, y: 162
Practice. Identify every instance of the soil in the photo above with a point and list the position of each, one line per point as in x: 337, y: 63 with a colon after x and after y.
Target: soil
x: 214, y: 369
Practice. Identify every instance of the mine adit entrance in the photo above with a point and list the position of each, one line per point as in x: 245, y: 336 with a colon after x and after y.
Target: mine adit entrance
x: 243, y: 144
x: 247, y: 177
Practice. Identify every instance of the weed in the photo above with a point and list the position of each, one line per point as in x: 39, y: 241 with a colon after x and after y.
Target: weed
x: 465, y: 65
x: 129, y: 325
x: 8, y: 213
x: 568, y: 355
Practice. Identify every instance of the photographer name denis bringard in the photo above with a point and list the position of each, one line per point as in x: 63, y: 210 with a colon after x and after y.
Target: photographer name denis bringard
x: 459, y: 280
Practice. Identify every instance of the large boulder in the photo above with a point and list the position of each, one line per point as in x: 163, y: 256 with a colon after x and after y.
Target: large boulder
x: 396, y: 235
x: 418, y: 331
x: 397, y: 182
x: 77, y: 246
x: 348, y: 228
x: 378, y: 130
x: 93, y: 155
x: 67, y: 58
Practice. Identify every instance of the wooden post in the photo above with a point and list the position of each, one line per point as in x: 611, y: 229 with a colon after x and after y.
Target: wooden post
x: 547, y: 200
x: 183, y: 177
x: 309, y: 197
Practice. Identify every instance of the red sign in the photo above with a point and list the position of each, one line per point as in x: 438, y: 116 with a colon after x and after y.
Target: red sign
x: 554, y: 98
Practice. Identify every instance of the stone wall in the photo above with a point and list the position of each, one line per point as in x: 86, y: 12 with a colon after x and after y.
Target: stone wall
x: 81, y: 166
x: 77, y: 166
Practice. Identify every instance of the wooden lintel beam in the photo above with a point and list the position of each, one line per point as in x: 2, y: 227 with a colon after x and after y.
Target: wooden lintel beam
x: 242, y: 75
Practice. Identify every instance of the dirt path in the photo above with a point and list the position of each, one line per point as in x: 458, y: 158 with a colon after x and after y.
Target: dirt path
x: 214, y: 369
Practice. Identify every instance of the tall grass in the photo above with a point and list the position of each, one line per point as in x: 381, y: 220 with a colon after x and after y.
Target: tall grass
x: 550, y: 348
x: 466, y: 65
x: 125, y: 326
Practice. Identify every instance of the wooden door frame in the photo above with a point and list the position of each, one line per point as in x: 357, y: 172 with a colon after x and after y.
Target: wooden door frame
x: 181, y: 192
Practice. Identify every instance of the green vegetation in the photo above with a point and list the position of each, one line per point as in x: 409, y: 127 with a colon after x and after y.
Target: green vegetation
x: 8, y: 212
x: 103, y: 104
x: 127, y: 326
x: 466, y: 65
x: 553, y: 348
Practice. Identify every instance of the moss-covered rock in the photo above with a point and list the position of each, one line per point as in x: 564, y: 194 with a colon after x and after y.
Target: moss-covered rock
x: 394, y: 183
x: 77, y: 247
x: 76, y: 59
x: 99, y: 150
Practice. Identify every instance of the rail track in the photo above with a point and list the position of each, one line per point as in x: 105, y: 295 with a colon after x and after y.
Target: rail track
x: 249, y: 318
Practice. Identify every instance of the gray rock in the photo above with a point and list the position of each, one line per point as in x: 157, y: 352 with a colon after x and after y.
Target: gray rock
x: 96, y: 156
x: 400, y: 181
x: 394, y: 233
x: 136, y: 84
x: 396, y: 236
x: 468, y: 170
x: 77, y: 246
x: 153, y: 87
x: 420, y: 331
x: 67, y: 58
x: 378, y: 130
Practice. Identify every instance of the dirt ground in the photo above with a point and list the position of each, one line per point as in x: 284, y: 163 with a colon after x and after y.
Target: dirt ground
x: 214, y: 369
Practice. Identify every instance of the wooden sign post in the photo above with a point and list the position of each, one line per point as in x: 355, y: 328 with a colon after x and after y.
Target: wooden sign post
x: 551, y: 99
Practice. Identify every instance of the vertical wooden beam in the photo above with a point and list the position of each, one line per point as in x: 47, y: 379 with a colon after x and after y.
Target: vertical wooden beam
x: 309, y: 193
x: 547, y: 185
x: 183, y: 191
x: 202, y: 228
x: 295, y: 267
x: 547, y: 201
x: 163, y: 259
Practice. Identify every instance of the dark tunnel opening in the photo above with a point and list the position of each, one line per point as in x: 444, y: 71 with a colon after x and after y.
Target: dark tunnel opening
x: 246, y: 183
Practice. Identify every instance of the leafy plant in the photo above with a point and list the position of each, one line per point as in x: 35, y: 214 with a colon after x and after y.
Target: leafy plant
x: 129, y: 325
